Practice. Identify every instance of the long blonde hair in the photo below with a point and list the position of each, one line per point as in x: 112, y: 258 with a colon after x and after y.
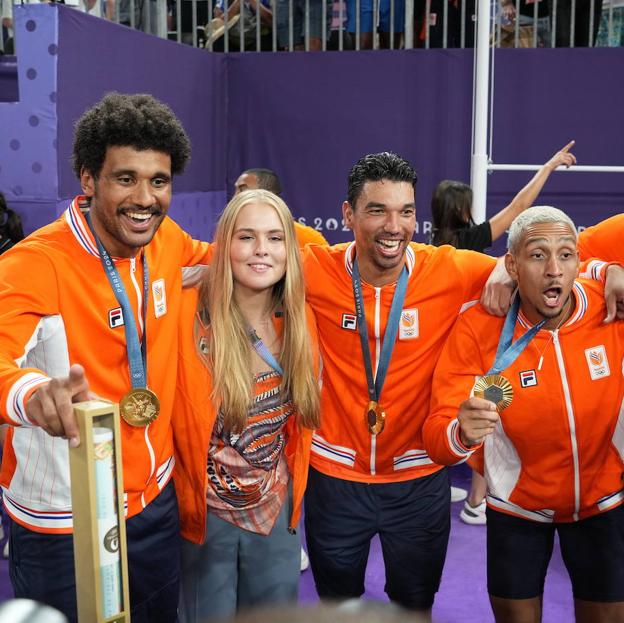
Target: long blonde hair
x: 229, y: 352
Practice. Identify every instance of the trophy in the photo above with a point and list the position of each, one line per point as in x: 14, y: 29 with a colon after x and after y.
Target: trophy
x: 100, y: 552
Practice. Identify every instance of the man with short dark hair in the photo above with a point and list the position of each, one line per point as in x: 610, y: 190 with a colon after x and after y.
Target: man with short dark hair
x: 250, y: 179
x: 546, y: 408
x: 90, y: 304
x: 384, y: 306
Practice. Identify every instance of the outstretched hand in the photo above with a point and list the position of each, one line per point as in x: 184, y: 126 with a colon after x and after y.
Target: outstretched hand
x: 50, y: 406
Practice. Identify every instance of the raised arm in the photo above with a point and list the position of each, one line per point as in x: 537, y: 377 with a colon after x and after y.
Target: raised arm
x: 501, y: 221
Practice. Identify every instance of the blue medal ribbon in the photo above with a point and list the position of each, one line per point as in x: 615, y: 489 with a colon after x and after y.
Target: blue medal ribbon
x: 264, y: 352
x: 137, y: 352
x: 508, y: 351
x: 376, y: 383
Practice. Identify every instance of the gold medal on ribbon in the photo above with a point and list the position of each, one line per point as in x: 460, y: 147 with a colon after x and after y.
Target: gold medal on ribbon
x: 375, y: 418
x: 496, y: 389
x: 139, y: 407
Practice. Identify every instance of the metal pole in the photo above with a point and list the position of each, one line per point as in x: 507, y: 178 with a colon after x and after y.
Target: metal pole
x: 580, y: 168
x: 341, y: 25
x: 392, y: 24
x: 291, y: 35
x: 479, y: 159
x: 258, y: 24
x: 553, y: 24
x: 357, y: 24
x: 241, y: 29
x: 590, y: 38
x: 535, y: 7
x: 409, y: 24
x: 193, y: 20
x: 445, y: 24
x: 306, y: 27
x: 274, y: 26
x: 179, y: 21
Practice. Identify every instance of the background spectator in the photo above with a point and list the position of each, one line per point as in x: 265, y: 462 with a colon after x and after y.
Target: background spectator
x: 11, y: 230
x: 315, y: 23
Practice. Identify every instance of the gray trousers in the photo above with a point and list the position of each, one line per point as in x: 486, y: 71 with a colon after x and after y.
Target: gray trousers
x: 236, y: 569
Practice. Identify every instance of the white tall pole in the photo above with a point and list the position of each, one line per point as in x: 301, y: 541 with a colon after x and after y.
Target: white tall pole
x: 479, y: 159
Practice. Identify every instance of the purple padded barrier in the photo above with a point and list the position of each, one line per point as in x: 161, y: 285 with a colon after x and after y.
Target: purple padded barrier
x: 28, y: 148
x: 319, y: 112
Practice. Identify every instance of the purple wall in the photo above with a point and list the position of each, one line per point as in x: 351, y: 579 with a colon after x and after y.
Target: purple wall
x: 191, y: 81
x: 319, y: 113
x: 309, y: 116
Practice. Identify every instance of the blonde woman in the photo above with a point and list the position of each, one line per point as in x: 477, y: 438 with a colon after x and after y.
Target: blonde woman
x: 248, y: 401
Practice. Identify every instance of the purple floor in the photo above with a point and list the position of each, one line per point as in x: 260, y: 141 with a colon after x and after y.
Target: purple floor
x: 463, y: 595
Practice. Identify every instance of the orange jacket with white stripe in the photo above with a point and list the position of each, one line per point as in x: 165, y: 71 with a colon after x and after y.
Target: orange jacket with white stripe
x: 194, y: 420
x: 556, y: 454
x: 57, y: 309
x: 441, y: 281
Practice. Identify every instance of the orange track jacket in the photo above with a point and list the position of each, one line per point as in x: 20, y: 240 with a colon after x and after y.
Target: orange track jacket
x: 194, y: 421
x: 557, y: 453
x: 441, y: 281
x: 57, y: 309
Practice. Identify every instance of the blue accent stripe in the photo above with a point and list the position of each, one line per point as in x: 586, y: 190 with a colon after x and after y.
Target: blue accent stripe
x: 36, y: 514
x: 332, y: 451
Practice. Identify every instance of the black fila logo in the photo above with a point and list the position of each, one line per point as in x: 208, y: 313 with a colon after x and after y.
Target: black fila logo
x: 115, y: 318
x: 349, y: 321
x: 528, y: 378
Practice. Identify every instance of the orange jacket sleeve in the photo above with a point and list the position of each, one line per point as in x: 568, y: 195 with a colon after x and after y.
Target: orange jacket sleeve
x: 603, y: 240
x: 457, y: 369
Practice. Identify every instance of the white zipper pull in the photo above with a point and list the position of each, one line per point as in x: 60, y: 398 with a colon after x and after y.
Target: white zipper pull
x: 132, y: 265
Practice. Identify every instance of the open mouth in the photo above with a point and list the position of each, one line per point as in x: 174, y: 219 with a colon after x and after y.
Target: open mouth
x: 388, y: 247
x: 552, y: 296
x: 139, y: 221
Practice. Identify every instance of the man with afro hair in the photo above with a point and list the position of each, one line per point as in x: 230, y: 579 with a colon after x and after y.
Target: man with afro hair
x: 90, y: 307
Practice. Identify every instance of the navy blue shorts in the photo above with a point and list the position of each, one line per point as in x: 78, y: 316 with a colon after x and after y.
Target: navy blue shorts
x: 519, y: 550
x: 41, y: 566
x: 412, y: 519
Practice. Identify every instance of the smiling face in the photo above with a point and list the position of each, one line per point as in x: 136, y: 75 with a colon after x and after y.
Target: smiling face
x: 257, y: 249
x: 129, y: 198
x: 545, y: 264
x: 383, y: 223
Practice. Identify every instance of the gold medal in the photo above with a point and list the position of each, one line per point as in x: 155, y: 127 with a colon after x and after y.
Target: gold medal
x: 375, y: 418
x: 139, y: 407
x: 496, y: 389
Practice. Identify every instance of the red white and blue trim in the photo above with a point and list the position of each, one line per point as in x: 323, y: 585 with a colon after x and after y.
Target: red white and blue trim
x: 338, y: 454
x: 15, y: 404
